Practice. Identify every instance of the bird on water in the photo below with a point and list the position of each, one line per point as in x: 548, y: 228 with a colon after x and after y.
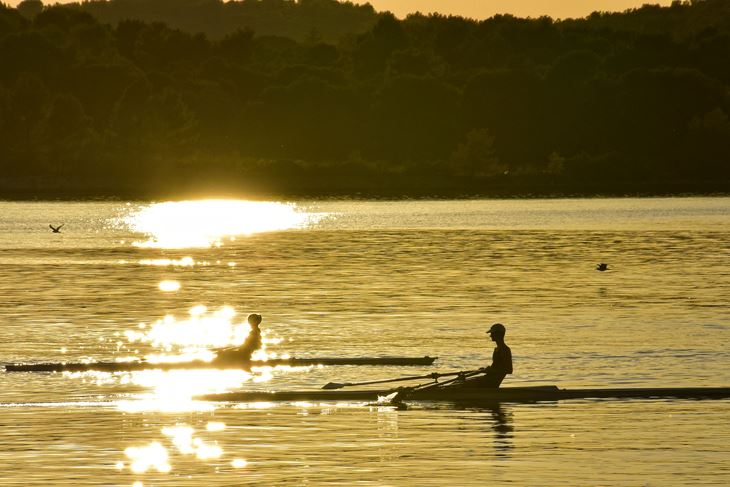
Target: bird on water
x: 602, y: 267
x: 56, y: 229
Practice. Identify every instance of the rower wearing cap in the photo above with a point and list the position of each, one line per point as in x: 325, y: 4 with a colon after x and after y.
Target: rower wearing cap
x: 501, y: 359
x: 243, y: 353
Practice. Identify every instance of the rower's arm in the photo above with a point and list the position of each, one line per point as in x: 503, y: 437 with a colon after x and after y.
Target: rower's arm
x: 226, y: 349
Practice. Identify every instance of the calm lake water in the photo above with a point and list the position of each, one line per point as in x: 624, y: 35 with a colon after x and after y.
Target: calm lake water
x: 346, y: 278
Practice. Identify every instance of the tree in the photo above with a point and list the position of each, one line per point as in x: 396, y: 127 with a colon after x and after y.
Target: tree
x: 415, y: 120
x: 30, y: 8
x: 68, y: 138
x: 475, y: 157
x: 374, y: 48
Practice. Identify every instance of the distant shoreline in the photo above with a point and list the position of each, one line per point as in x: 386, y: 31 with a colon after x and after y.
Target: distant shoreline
x: 212, y: 192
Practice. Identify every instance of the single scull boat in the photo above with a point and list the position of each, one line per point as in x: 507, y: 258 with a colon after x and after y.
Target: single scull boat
x: 473, y: 395
x: 140, y: 365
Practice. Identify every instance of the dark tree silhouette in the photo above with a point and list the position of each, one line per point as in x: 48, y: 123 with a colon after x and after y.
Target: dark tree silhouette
x: 319, y: 97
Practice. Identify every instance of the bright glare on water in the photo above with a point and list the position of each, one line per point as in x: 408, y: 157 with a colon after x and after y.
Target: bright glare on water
x: 189, y: 224
x: 172, y: 281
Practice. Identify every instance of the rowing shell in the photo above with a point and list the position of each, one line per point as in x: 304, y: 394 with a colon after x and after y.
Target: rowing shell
x: 474, y: 395
x: 293, y: 361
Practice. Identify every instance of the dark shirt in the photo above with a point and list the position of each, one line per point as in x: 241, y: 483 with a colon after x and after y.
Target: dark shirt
x: 253, y: 341
x: 502, y: 360
x: 242, y: 353
x: 501, y: 366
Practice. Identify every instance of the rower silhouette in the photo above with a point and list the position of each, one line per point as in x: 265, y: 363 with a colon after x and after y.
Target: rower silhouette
x: 602, y: 267
x: 501, y: 360
x: 56, y: 229
x: 243, y: 352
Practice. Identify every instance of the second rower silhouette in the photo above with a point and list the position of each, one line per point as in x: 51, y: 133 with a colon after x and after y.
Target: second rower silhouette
x: 501, y: 360
x: 243, y: 352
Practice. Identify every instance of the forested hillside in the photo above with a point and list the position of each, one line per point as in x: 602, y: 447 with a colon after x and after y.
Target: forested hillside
x: 281, y: 100
x: 327, y: 20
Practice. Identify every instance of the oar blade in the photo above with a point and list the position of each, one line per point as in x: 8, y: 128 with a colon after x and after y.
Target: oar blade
x: 334, y: 385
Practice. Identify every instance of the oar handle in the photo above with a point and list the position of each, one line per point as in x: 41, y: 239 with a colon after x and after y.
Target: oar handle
x: 460, y: 376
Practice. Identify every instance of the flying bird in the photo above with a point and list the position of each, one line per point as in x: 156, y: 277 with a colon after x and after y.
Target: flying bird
x: 602, y: 267
x: 56, y: 229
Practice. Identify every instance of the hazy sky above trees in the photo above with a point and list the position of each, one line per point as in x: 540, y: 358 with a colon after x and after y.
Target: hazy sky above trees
x: 487, y: 8
x: 520, y: 8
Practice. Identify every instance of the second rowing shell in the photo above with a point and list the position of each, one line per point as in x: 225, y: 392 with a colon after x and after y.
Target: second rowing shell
x: 199, y: 364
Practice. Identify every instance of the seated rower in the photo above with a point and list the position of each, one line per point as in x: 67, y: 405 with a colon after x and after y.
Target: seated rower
x: 243, y: 352
x: 501, y: 360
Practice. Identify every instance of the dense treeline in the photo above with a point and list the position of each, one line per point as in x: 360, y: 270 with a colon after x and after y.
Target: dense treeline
x: 328, y: 20
x: 614, y: 103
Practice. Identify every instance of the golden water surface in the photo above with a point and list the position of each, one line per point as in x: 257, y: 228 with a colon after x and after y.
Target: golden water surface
x: 170, y: 281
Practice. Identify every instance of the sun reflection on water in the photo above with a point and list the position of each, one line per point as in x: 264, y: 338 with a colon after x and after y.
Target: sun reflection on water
x: 179, y: 341
x: 173, y: 391
x: 184, y: 262
x: 187, y: 444
x: 193, y: 337
x: 215, y: 426
x: 205, y: 223
x: 190, y: 339
x: 153, y: 456
x: 184, y: 441
x: 169, y: 286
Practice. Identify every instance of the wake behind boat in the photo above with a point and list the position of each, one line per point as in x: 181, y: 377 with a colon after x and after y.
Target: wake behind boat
x: 199, y: 364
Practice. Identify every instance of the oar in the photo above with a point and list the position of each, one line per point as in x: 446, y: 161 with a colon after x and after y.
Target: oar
x: 433, y: 375
x: 460, y: 376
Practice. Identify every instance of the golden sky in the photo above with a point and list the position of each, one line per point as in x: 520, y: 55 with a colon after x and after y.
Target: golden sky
x: 521, y: 8
x: 486, y: 8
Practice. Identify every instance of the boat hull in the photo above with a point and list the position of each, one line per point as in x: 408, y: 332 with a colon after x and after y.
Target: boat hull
x: 296, y: 362
x: 553, y: 393
x: 474, y: 395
